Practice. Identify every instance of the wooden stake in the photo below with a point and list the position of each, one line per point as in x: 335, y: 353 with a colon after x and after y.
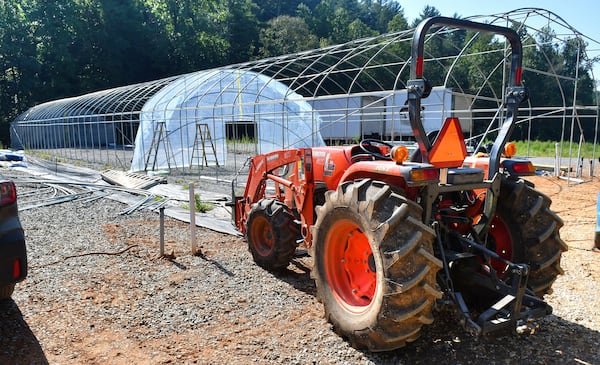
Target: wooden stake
x: 161, y: 214
x: 193, y: 219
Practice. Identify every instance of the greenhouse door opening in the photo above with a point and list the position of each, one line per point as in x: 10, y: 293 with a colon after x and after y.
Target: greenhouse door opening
x: 241, y: 136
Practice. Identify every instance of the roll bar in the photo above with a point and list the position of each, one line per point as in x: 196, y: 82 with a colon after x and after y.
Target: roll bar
x: 418, y: 86
x: 418, y: 43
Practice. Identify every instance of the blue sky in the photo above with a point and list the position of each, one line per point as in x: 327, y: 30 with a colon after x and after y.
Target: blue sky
x: 583, y: 15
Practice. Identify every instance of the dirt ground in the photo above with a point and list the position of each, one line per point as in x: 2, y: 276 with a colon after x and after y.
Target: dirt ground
x: 255, y: 326
x: 575, y: 203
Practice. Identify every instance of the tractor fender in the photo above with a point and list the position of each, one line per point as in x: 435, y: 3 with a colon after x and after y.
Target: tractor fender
x: 385, y: 171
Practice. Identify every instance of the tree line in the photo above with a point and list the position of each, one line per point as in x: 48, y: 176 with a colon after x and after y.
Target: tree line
x: 61, y: 48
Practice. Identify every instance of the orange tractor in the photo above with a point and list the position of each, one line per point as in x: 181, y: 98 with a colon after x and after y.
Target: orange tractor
x: 392, y: 234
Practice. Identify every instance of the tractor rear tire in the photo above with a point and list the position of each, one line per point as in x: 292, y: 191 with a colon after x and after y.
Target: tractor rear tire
x: 534, y: 228
x: 374, y: 266
x: 6, y: 291
x: 271, y: 234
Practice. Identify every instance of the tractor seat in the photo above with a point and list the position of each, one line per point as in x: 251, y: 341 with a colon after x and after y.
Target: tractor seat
x: 358, y: 154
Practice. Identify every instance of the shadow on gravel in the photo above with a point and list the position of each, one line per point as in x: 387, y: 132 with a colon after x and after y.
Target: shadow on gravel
x: 218, y: 265
x: 215, y: 263
x: 557, y: 341
x: 18, y: 345
x: 299, y: 277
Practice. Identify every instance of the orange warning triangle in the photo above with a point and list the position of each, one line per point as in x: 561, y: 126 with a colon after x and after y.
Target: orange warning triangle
x: 449, y: 149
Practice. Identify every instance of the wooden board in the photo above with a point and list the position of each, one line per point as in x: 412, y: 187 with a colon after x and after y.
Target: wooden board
x: 132, y: 180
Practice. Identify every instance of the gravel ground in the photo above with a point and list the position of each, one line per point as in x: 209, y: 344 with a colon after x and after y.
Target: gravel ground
x: 98, y: 293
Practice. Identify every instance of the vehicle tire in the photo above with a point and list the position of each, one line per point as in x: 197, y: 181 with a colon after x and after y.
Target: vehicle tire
x: 374, y: 265
x: 525, y: 230
x: 271, y: 234
x: 6, y: 291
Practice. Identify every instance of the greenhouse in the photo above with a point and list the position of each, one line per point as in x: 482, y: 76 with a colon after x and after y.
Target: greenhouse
x: 216, y: 101
x: 179, y: 120
x: 214, y: 119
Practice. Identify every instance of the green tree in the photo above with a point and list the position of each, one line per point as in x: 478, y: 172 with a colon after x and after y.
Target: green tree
x: 427, y: 12
x: 397, y: 23
x: 340, y: 22
x: 486, y: 70
x: 357, y: 29
x: 18, y: 62
x: 134, y: 46
x: 541, y: 58
x: 543, y: 55
x: 196, y: 33
x: 242, y: 31
x: 376, y: 14
x: 52, y: 23
x: 270, y: 9
x: 332, y: 18
x: 573, y: 67
x: 286, y: 34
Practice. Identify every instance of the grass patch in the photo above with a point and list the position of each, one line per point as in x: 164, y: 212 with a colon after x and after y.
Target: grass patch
x: 548, y: 149
x: 201, y: 206
x: 242, y: 140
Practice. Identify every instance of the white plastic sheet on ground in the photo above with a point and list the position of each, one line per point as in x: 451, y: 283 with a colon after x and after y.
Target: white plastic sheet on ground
x: 283, y: 119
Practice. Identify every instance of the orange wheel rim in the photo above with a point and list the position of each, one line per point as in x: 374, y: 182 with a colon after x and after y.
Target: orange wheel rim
x: 503, y: 244
x: 262, y: 236
x: 350, y: 266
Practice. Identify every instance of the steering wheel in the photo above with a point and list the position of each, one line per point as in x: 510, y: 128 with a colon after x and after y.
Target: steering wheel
x: 369, y: 146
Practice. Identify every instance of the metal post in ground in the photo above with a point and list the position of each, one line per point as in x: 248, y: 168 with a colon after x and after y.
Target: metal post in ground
x: 556, y: 160
x: 193, y: 219
x: 597, y: 234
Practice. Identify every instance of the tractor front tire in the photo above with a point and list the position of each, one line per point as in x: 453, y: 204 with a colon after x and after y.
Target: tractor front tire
x: 374, y: 266
x: 271, y: 234
x: 534, y: 228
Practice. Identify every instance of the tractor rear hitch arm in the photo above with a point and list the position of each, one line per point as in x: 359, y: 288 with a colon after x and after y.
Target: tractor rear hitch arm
x: 517, y: 307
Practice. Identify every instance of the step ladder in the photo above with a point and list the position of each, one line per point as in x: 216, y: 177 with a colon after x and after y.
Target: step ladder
x: 160, y: 136
x: 204, y: 150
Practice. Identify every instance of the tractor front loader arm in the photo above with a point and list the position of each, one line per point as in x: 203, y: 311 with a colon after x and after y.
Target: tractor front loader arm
x: 292, y: 176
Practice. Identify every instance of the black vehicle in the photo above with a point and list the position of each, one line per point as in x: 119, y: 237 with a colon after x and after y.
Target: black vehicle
x: 13, y: 257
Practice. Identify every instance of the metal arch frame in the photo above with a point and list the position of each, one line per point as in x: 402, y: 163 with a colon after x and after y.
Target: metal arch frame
x: 328, y: 72
x: 554, y: 19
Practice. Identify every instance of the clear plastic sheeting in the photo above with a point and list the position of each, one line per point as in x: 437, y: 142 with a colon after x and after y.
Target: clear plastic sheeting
x: 219, y: 102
